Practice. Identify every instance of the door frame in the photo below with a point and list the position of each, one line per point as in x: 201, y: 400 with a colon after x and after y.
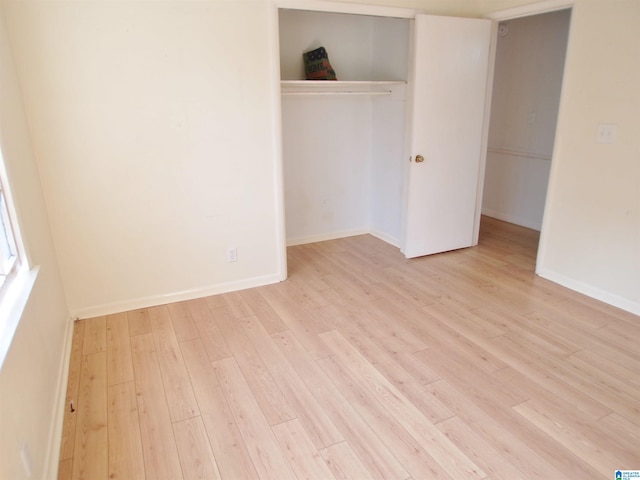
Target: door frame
x: 529, y: 10
x: 330, y: 6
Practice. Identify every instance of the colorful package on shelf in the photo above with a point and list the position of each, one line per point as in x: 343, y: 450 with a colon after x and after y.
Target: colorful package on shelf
x: 317, y: 66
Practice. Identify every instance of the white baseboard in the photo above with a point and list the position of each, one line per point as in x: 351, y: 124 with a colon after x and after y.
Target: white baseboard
x: 52, y: 458
x: 155, y: 300
x: 505, y: 217
x: 386, y: 238
x: 324, y: 237
x: 591, y: 291
x: 351, y: 233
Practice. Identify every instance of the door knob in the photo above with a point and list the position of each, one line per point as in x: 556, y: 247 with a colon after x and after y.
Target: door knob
x: 419, y: 159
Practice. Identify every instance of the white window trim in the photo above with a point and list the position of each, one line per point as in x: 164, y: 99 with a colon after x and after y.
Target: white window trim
x: 9, y: 251
x: 13, y: 305
x: 18, y: 277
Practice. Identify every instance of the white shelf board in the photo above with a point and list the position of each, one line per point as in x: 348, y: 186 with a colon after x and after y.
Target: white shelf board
x: 338, y: 87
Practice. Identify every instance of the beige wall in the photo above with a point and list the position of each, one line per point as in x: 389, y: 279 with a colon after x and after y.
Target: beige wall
x: 33, y: 369
x: 153, y: 124
x: 591, y: 233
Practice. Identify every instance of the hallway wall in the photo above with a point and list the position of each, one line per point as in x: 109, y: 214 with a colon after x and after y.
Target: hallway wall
x: 526, y: 94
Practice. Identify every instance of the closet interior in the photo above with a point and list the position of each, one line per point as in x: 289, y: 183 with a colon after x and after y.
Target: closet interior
x: 344, y: 141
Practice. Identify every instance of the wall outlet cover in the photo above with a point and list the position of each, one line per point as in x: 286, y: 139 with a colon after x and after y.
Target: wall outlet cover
x: 27, y: 462
x: 607, y: 133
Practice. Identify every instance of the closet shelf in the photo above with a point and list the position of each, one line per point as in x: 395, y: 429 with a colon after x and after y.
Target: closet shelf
x: 340, y: 87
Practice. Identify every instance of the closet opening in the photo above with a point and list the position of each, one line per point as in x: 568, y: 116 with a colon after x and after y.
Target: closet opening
x: 344, y: 141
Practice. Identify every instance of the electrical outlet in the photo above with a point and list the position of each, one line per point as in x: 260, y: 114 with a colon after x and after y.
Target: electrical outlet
x: 25, y: 455
x: 531, y: 118
x: 232, y: 254
x: 606, y: 133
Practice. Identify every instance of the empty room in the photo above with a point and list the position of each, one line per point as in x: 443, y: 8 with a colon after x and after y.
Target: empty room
x: 217, y: 265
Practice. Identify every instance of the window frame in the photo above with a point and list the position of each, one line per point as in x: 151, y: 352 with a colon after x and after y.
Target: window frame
x: 17, y: 277
x: 9, y: 254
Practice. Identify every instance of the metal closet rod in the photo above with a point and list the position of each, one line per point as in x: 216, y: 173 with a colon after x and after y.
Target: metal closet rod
x: 341, y: 92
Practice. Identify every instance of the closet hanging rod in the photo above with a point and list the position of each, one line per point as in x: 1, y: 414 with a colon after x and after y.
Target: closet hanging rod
x: 340, y: 92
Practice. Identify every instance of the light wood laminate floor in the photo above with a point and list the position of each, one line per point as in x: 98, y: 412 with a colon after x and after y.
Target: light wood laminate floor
x: 363, y: 365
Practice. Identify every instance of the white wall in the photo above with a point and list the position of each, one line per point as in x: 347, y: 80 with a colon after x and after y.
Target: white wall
x: 32, y: 375
x: 347, y: 39
x: 526, y: 93
x: 360, y: 47
x: 153, y: 124
x: 591, y: 233
x: 327, y: 166
x: 388, y: 157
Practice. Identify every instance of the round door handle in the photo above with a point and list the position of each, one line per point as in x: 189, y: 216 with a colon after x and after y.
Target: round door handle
x: 419, y: 159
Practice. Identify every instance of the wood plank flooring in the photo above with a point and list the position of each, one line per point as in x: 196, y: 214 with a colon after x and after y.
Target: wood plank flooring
x: 363, y: 365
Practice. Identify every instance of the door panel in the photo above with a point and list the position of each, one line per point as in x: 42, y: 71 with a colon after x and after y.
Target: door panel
x: 451, y: 62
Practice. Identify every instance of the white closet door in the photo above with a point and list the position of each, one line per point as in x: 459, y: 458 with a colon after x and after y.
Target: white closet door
x: 447, y: 130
